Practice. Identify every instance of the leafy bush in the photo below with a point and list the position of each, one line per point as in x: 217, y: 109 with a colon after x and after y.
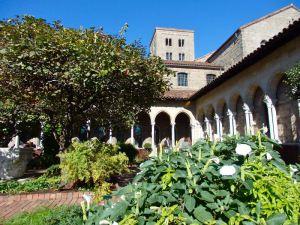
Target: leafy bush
x: 32, y: 185
x: 293, y: 81
x: 53, y: 171
x: 63, y: 215
x: 129, y: 150
x: 238, y: 181
x: 91, y: 162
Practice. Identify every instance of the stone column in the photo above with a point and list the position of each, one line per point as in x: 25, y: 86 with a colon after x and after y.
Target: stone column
x: 132, y: 135
x: 221, y: 128
x: 272, y: 118
x: 208, y: 128
x: 217, y: 120
x: 234, y: 123
x: 275, y: 124
x: 154, y: 149
x: 193, y: 133
x: 110, y: 136
x: 153, y: 135
x: 173, y: 134
x: 41, y: 137
x: 231, y: 122
x: 248, y: 116
x: 17, y: 142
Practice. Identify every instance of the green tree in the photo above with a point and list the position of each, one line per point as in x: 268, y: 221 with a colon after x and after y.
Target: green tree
x: 293, y: 80
x: 66, y: 76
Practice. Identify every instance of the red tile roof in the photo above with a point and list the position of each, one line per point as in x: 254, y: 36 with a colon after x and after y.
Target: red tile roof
x: 191, y: 64
x: 179, y: 95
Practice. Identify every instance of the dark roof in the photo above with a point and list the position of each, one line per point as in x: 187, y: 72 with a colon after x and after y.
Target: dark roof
x: 247, y: 25
x: 179, y: 95
x: 191, y: 64
x: 277, y: 41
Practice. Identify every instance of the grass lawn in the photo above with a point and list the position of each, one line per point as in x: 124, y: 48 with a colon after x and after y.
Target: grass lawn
x: 63, y: 215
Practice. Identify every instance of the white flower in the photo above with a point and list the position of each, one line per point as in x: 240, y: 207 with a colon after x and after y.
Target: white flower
x: 293, y: 169
x: 104, y: 222
x: 123, y: 197
x: 216, y: 160
x: 243, y: 149
x: 269, y: 157
x: 115, y: 223
x: 87, y: 198
x: 227, y: 170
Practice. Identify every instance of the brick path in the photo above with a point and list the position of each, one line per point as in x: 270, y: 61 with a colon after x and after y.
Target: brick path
x: 13, y: 204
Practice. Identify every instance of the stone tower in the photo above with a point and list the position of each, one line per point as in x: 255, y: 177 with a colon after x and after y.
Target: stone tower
x: 173, y: 44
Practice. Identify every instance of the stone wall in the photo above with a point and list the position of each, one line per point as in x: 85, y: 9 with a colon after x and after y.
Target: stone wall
x: 196, y: 78
x: 254, y: 34
x: 231, y: 52
x: 250, y: 36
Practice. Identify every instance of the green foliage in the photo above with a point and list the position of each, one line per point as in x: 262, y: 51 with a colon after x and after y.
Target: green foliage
x: 147, y: 146
x: 293, y: 80
x: 53, y: 171
x: 63, y: 215
x: 187, y: 187
x: 129, y: 150
x: 91, y: 162
x: 67, y: 76
x: 32, y: 185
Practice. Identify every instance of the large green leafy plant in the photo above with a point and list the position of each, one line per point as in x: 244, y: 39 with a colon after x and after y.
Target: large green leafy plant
x: 237, y: 181
x: 91, y: 162
x: 292, y: 78
x: 68, y: 76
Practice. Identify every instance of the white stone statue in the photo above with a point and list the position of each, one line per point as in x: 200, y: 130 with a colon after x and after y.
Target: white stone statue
x: 14, y: 159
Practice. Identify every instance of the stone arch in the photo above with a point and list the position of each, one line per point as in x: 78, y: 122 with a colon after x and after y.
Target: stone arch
x: 219, y: 106
x: 188, y: 113
x: 182, y: 126
x: 273, y: 82
x: 211, y: 117
x: 162, y: 126
x: 287, y: 114
x: 240, y: 116
x: 225, y: 119
x: 154, y: 114
x: 260, y: 111
x: 142, y: 128
x: 201, y: 115
x: 250, y: 92
x: 232, y: 102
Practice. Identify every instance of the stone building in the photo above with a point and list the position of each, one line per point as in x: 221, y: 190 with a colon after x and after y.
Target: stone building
x: 250, y: 36
x: 237, y: 89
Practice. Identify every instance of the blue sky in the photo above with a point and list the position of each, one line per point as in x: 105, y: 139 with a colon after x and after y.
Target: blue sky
x: 213, y: 20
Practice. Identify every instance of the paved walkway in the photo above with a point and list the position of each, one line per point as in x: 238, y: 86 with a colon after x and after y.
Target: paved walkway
x: 14, y: 204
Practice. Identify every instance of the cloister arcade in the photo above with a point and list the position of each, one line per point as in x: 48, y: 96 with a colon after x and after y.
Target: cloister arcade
x: 164, y: 123
x: 264, y: 106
